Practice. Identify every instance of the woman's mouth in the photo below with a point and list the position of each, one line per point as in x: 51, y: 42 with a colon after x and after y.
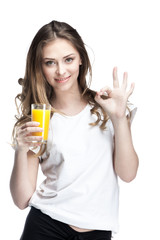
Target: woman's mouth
x: 62, y: 80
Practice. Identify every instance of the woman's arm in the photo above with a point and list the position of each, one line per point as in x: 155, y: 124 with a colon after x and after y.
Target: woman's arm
x: 24, y: 177
x: 25, y: 169
x: 125, y: 158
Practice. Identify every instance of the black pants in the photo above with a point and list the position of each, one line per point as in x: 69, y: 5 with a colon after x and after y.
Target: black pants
x: 40, y: 226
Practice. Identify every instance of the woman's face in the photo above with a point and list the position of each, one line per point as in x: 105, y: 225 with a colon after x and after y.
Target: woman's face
x: 60, y: 65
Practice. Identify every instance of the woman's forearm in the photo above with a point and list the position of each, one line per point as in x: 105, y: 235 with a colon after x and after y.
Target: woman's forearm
x: 20, y: 185
x: 125, y: 157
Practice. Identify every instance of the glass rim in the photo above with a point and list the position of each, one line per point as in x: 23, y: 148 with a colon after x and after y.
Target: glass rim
x: 40, y: 105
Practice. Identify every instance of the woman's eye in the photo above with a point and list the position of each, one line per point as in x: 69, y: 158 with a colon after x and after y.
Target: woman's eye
x: 50, y: 63
x: 69, y: 60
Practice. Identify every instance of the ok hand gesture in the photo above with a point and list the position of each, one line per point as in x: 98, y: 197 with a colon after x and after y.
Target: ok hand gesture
x: 116, y: 101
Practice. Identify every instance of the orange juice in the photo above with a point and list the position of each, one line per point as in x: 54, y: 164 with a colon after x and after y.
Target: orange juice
x: 43, y: 117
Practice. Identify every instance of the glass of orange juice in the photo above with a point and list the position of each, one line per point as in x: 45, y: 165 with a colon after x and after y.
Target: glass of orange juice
x: 41, y: 113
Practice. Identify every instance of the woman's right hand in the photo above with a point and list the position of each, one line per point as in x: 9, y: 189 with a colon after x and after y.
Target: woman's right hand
x: 25, y: 138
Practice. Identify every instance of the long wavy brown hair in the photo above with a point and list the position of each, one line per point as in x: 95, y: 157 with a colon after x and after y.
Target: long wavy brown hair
x: 36, y: 89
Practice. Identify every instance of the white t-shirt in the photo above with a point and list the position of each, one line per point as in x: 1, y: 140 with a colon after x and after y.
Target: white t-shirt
x: 81, y: 187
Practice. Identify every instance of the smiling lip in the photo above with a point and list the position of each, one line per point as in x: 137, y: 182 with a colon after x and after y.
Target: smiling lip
x: 60, y: 80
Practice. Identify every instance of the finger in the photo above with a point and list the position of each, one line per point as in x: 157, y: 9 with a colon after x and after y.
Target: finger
x: 98, y: 99
x: 125, y: 80
x: 31, y: 139
x: 131, y: 89
x: 102, y: 95
x: 29, y: 130
x: 115, y: 78
x: 105, y: 91
x: 35, y: 144
x: 30, y: 124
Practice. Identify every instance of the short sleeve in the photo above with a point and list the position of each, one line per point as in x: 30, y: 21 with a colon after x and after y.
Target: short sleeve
x: 130, y: 111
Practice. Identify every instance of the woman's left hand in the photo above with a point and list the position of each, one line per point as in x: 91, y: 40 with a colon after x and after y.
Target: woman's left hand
x: 116, y: 101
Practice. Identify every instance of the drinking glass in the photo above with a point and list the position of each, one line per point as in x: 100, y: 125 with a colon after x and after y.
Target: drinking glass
x: 41, y: 113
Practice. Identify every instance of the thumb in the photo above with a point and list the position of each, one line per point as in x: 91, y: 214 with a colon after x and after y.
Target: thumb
x: 98, y: 98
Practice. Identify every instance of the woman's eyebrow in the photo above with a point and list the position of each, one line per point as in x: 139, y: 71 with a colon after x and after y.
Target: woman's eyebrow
x: 69, y: 55
x: 63, y: 57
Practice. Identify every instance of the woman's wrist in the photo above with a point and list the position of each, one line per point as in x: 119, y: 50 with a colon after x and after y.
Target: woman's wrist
x: 20, y: 153
x: 118, y: 121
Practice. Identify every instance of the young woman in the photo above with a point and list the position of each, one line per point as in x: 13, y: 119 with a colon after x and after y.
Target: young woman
x: 89, y: 145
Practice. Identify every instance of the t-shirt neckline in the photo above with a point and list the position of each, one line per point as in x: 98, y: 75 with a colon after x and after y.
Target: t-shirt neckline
x: 73, y: 116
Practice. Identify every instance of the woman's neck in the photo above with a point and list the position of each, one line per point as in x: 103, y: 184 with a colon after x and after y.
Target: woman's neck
x: 69, y: 103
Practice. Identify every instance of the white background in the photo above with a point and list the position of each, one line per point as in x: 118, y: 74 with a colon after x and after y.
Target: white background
x: 120, y: 33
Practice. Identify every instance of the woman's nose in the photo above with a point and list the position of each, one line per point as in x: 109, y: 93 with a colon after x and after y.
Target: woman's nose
x: 60, y: 69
